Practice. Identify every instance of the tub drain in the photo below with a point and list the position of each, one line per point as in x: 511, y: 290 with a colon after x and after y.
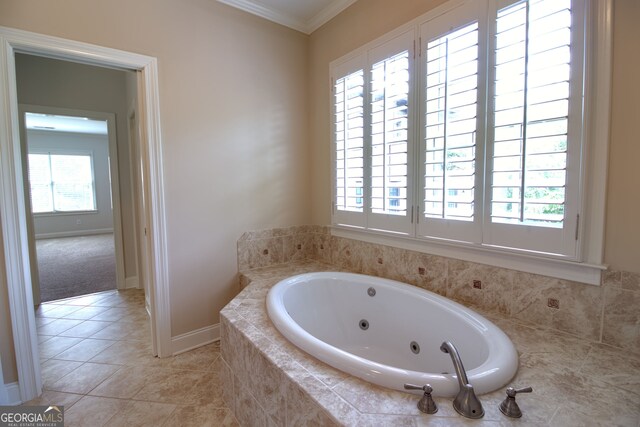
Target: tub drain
x: 415, y: 347
x: 364, y: 324
x: 371, y: 292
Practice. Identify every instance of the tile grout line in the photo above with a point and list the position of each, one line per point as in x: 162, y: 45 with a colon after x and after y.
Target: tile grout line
x: 132, y: 333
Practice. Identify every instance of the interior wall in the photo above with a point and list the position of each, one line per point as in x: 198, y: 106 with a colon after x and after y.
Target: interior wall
x: 61, y: 225
x: 623, y: 204
x: 233, y: 104
x: 366, y: 20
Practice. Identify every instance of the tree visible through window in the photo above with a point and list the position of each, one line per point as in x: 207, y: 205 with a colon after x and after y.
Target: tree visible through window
x: 61, y: 182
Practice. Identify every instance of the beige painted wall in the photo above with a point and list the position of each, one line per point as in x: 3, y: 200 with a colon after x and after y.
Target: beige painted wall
x: 622, y: 249
x: 366, y: 20
x: 54, y: 83
x: 233, y: 101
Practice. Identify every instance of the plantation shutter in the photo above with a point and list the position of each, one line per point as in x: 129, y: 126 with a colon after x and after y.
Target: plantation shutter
x: 535, y: 126
x: 480, y: 141
x: 451, y: 131
x: 391, y: 137
x: 348, y: 135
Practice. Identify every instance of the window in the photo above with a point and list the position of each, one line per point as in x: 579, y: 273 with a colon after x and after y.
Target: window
x: 466, y: 129
x: 349, y: 140
x: 535, y: 126
x: 389, y: 134
x: 373, y: 137
x: 451, y: 95
x: 451, y: 135
x: 61, y: 182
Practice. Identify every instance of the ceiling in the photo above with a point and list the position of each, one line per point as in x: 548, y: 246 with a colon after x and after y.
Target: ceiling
x: 50, y: 122
x: 303, y: 15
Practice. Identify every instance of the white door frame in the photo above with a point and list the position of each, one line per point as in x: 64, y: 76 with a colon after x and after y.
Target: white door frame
x: 132, y: 132
x: 4, y: 396
x: 12, y: 204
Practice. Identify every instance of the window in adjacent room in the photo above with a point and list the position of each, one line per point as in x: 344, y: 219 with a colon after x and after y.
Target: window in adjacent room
x: 61, y: 182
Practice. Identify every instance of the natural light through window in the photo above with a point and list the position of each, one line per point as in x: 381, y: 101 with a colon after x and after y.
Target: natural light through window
x: 349, y: 140
x: 531, y: 109
x: 389, y: 111
x: 479, y: 131
x: 61, y: 182
x: 467, y: 128
x: 451, y: 108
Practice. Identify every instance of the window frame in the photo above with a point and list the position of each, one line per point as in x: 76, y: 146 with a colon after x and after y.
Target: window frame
x: 65, y: 152
x: 586, y: 265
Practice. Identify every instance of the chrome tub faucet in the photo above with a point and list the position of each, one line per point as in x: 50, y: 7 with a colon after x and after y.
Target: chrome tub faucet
x: 466, y: 403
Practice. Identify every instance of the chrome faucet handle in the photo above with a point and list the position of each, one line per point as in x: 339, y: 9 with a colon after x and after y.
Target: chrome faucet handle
x: 426, y: 404
x: 509, y: 407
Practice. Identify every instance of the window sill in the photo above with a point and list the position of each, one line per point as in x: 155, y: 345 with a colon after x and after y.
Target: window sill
x: 557, y: 268
x: 74, y: 213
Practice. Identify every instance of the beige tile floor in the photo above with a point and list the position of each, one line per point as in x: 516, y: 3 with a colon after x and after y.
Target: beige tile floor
x: 96, y: 360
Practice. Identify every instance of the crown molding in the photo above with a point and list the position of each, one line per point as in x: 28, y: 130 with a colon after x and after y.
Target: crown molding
x: 307, y: 27
x: 267, y: 13
x: 327, y: 14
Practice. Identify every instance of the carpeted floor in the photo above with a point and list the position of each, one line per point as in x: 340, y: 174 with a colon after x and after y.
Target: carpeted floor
x: 73, y: 266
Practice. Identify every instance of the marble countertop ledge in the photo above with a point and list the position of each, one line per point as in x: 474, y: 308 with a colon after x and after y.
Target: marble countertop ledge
x: 575, y: 382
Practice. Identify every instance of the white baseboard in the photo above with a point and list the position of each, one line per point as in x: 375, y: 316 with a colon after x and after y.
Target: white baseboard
x: 195, y: 339
x: 131, y: 282
x: 74, y: 233
x: 12, y: 392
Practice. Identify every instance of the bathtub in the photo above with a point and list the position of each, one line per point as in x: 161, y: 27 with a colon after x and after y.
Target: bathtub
x: 389, y: 333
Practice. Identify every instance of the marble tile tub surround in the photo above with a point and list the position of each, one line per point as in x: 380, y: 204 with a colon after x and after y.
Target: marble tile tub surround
x: 269, y: 382
x: 605, y: 314
x: 275, y: 246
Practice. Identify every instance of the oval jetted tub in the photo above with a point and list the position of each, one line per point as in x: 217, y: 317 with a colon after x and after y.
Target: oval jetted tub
x: 389, y: 333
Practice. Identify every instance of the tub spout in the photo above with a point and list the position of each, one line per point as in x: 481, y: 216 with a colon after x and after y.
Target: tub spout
x: 466, y: 402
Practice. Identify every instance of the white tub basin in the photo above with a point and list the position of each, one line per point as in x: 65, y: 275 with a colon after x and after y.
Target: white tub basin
x: 333, y: 317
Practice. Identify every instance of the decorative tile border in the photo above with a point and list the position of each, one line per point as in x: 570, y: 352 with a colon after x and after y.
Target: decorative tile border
x: 264, y: 248
x: 605, y: 314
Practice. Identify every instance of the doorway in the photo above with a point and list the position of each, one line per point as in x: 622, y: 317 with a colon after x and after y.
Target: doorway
x: 12, y: 191
x: 72, y: 201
